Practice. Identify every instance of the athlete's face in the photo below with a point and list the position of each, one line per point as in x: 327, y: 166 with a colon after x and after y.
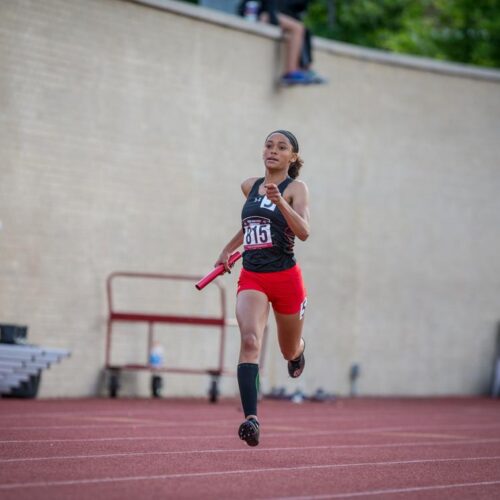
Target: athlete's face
x: 278, y: 152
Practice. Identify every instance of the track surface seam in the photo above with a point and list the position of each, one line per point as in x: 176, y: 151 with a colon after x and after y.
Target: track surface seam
x: 388, y: 491
x: 256, y: 450
x: 240, y: 471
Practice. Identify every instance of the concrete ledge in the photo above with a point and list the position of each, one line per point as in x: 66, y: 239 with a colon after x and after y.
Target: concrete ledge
x: 407, y: 61
x: 337, y: 48
x: 213, y: 16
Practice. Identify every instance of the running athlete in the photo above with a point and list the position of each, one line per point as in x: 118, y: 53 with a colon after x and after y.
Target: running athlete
x: 276, y: 210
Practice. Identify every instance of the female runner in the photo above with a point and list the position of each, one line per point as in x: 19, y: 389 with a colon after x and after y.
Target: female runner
x: 276, y: 210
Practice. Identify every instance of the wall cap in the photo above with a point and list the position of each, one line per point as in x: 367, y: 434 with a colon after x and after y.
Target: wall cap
x: 333, y: 47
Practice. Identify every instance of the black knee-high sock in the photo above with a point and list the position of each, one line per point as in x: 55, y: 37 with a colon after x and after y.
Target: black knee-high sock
x: 248, y: 381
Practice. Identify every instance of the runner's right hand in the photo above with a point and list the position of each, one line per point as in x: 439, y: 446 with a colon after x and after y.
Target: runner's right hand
x: 224, y: 260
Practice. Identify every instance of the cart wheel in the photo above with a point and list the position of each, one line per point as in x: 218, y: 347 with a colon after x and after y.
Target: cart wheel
x: 213, y: 392
x: 156, y: 386
x: 114, y: 383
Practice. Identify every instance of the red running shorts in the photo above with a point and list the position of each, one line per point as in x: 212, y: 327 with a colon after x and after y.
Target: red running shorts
x: 284, y: 289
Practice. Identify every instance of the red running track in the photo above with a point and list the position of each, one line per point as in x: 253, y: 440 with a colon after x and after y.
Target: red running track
x: 161, y: 449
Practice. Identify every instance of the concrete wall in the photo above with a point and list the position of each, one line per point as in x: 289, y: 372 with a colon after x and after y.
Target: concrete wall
x: 125, y: 131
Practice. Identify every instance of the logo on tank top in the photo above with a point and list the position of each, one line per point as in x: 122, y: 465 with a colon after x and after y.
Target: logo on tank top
x: 267, y: 204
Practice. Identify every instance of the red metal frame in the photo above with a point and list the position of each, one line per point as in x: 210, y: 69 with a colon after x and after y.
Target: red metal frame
x: 115, y: 316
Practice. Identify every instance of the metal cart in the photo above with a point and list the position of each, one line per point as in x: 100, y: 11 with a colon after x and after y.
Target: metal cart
x: 125, y: 316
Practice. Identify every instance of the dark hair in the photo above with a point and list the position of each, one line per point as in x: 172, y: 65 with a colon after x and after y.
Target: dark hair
x: 294, y: 168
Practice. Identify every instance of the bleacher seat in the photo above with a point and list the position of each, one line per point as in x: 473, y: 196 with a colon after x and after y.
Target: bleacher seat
x: 21, y: 367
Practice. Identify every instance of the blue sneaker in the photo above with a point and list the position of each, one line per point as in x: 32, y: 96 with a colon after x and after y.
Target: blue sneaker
x: 295, y: 78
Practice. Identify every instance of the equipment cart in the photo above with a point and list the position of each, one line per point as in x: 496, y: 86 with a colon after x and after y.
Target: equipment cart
x: 220, y: 321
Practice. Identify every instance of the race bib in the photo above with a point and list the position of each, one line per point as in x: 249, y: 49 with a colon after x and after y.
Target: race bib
x: 257, y: 233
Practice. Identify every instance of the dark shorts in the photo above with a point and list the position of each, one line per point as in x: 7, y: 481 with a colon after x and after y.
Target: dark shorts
x: 284, y: 289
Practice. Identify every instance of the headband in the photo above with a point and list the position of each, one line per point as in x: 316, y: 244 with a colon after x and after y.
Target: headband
x: 289, y: 136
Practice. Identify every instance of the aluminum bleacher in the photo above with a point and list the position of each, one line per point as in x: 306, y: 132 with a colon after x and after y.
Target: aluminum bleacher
x: 21, y: 367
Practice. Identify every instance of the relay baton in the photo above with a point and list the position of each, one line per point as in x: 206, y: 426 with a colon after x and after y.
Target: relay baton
x: 217, y: 271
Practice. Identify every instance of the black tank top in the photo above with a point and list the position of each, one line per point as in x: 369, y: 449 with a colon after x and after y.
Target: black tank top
x: 267, y: 239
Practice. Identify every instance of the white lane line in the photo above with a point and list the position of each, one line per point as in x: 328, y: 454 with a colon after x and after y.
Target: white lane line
x: 483, y: 413
x: 132, y: 438
x: 120, y: 426
x: 215, y: 422
x: 369, y: 430
x: 389, y: 491
x: 253, y: 450
x: 72, y: 482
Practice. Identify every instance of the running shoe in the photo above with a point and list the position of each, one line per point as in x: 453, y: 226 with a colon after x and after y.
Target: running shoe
x: 296, y: 366
x: 295, y: 78
x: 249, y: 432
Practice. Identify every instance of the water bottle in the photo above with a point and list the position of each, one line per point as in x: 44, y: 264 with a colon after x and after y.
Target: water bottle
x: 156, y: 356
x: 251, y: 11
x: 298, y: 397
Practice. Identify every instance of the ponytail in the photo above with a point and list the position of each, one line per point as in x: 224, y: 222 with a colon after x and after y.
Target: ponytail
x: 294, y: 168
